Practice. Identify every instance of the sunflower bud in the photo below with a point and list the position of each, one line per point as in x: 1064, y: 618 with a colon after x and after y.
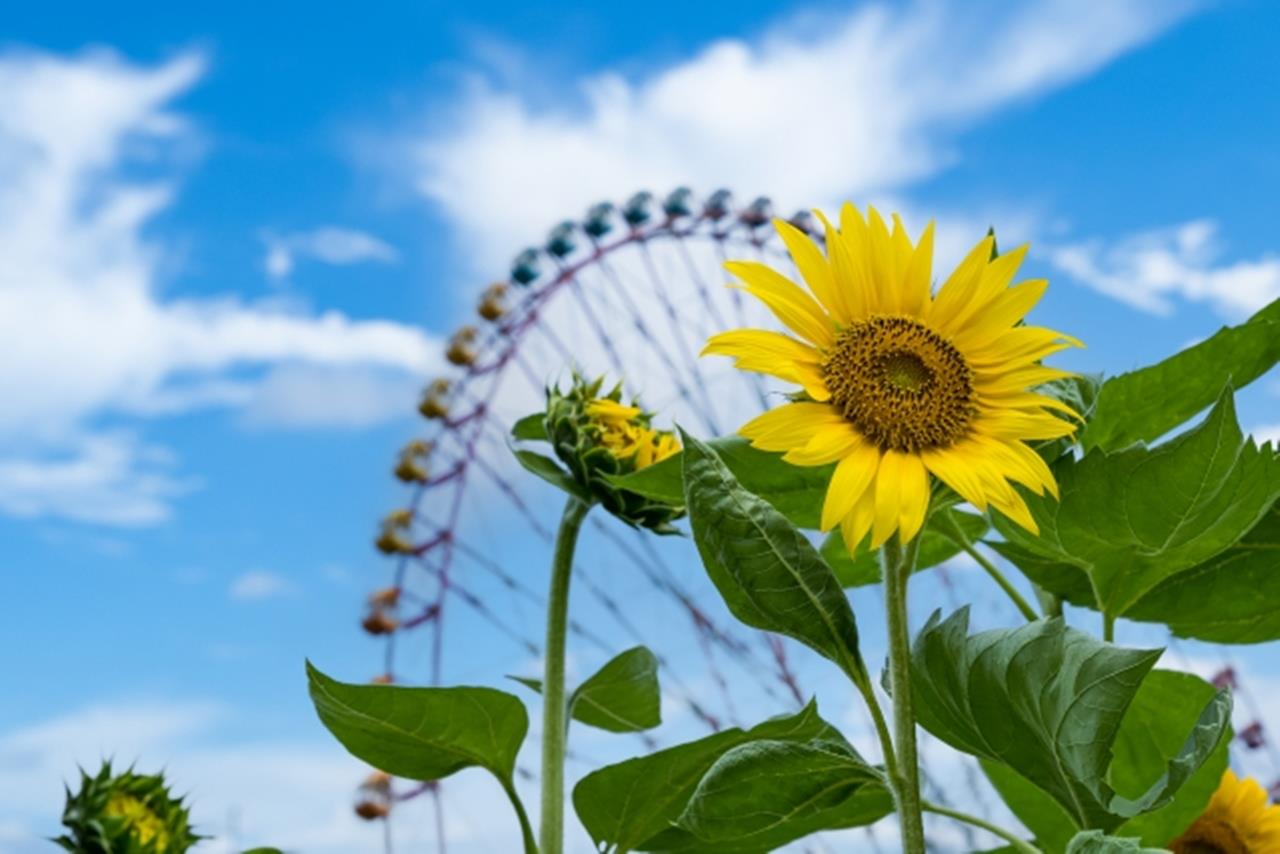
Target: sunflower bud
x: 598, y: 437
x: 125, y: 813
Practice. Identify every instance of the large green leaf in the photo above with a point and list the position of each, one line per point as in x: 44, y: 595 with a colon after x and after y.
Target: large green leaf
x: 765, y: 794
x: 768, y: 573
x: 1233, y: 597
x: 634, y: 805
x: 622, y: 696
x: 796, y: 491
x: 935, y: 547
x: 1143, y: 405
x: 1096, y: 842
x: 1132, y: 519
x: 1152, y: 732
x: 422, y: 733
x: 1047, y: 701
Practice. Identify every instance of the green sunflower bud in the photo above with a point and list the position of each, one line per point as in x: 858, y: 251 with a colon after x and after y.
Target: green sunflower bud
x: 126, y: 813
x: 598, y: 437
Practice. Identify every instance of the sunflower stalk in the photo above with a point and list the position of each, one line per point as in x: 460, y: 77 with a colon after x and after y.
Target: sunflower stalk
x: 1016, y: 843
x: 899, y: 561
x: 555, y: 709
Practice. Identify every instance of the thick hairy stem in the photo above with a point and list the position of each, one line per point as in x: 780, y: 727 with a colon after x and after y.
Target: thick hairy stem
x: 555, y: 712
x: 899, y: 561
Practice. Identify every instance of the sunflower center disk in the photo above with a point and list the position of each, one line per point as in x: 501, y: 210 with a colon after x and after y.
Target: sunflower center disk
x: 903, y: 386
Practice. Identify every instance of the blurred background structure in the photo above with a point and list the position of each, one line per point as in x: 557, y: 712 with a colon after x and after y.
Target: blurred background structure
x: 237, y: 247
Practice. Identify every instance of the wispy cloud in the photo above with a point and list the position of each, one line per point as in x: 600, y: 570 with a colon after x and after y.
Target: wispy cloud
x: 825, y: 106
x: 328, y: 245
x: 1153, y: 270
x: 259, y: 584
x: 87, y: 334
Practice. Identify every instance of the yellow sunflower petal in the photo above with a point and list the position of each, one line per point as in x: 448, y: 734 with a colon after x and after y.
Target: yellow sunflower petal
x: 789, y: 426
x: 914, y: 503
x: 1015, y: 508
x: 1015, y: 424
x: 957, y: 467
x: 854, y: 526
x: 991, y: 288
x: 890, y: 482
x: 851, y: 478
x: 1001, y: 314
x: 848, y: 269
x: 959, y: 288
x: 918, y: 281
x: 761, y: 343
x: 828, y: 444
x: 814, y: 268
x: 884, y: 266
x: 786, y: 300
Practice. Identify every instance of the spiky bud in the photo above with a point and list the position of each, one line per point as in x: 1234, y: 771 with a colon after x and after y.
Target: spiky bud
x: 599, y: 437
x: 125, y: 813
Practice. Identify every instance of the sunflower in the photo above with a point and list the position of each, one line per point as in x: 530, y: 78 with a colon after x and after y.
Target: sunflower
x: 899, y: 382
x: 1238, y: 820
x: 624, y: 431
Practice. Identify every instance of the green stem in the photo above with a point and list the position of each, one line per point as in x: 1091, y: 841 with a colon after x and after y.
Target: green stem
x: 899, y: 561
x: 526, y: 829
x: 1017, y: 843
x: 1108, y: 628
x: 953, y: 532
x: 555, y: 710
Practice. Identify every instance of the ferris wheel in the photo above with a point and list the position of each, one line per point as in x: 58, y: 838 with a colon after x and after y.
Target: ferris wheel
x: 631, y: 290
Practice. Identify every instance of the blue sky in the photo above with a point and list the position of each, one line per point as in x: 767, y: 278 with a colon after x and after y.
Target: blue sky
x: 235, y: 240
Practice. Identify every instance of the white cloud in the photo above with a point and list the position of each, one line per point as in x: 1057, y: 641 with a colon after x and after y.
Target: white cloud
x: 88, y: 333
x: 329, y: 245
x: 260, y: 584
x: 1150, y: 269
x: 109, y: 478
x: 351, y: 397
x: 832, y: 105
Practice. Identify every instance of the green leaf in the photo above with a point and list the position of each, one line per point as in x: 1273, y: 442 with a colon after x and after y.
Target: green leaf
x: 1143, y: 405
x: 1047, y: 820
x: 531, y: 428
x: 767, y: 793
x: 1152, y: 732
x: 633, y: 806
x: 1133, y: 519
x: 1047, y: 701
x: 796, y: 491
x: 422, y: 733
x: 935, y: 548
x: 767, y: 572
x: 550, y: 471
x: 1233, y: 597
x: 622, y: 696
x: 1096, y: 842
